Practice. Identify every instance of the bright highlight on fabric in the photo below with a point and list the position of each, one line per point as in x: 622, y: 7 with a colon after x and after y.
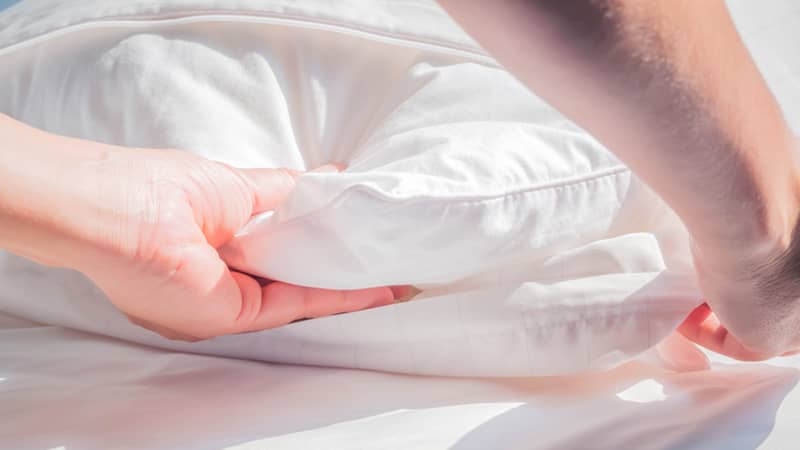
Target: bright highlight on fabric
x: 645, y: 391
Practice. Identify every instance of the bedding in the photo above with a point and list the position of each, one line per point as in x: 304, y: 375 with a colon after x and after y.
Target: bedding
x: 64, y: 390
x: 536, y: 251
x: 67, y: 389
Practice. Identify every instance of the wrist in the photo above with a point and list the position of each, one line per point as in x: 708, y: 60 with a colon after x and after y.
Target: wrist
x: 759, y: 230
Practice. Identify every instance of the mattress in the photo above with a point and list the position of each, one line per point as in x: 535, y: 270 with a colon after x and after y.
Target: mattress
x: 67, y: 389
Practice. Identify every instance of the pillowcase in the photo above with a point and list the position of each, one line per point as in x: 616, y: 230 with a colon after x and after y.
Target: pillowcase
x: 537, y: 252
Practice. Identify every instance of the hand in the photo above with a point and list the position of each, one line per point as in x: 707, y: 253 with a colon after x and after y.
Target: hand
x: 161, y: 215
x: 753, y: 298
x: 750, y: 315
x: 144, y: 225
x: 703, y: 327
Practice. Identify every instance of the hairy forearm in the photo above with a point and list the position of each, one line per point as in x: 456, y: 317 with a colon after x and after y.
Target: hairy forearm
x: 669, y: 87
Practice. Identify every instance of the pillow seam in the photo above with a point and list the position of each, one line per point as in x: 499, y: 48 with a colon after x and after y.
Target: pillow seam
x: 289, y: 20
x: 593, y: 177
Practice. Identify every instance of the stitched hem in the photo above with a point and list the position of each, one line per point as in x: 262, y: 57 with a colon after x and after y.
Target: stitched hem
x: 365, y: 32
x: 613, y: 172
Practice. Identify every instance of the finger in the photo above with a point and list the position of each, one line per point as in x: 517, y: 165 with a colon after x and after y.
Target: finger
x: 204, y: 299
x: 691, y: 324
x: 224, y: 302
x: 283, y: 303
x: 231, y: 302
x: 270, y: 186
x: 326, y: 302
x: 702, y: 327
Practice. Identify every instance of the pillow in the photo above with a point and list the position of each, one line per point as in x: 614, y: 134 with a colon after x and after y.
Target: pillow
x: 537, y: 252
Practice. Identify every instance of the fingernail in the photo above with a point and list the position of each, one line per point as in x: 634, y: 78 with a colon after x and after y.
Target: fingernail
x: 327, y: 168
x: 404, y: 293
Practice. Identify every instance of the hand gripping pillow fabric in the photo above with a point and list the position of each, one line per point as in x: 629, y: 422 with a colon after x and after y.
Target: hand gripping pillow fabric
x: 536, y: 251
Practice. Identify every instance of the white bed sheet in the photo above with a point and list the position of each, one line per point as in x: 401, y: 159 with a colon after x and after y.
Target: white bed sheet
x: 62, y: 389
x: 71, y: 390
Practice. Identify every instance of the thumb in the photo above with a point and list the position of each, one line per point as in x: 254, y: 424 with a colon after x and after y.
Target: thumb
x: 270, y: 186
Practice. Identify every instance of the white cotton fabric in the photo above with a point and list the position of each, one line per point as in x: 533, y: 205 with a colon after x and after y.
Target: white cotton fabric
x: 66, y: 389
x: 537, y: 251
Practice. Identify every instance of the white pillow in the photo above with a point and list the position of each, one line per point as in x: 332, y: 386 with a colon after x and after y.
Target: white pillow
x: 537, y: 251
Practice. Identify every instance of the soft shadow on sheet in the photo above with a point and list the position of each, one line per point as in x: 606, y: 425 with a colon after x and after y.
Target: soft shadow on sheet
x: 76, y: 390
x: 728, y: 407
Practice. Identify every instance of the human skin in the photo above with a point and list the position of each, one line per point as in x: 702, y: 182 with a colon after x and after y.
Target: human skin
x: 144, y: 225
x: 669, y: 87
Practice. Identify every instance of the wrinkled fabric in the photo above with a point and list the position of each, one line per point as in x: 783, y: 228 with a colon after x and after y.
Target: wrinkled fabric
x: 537, y: 251
x: 66, y: 389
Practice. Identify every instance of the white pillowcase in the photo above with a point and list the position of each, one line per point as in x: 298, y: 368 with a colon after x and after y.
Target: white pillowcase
x: 537, y: 251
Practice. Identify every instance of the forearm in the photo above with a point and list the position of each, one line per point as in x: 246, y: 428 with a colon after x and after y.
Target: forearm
x: 44, y: 180
x: 670, y: 88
